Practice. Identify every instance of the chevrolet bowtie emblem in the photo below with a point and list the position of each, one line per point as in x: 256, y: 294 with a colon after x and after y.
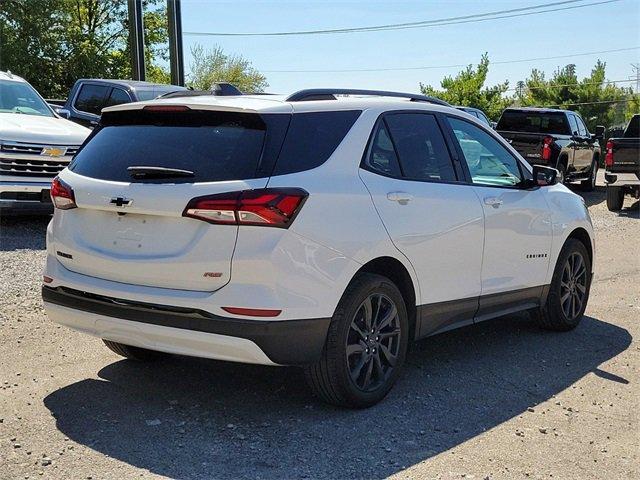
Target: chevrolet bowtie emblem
x: 121, y: 201
x: 53, y: 151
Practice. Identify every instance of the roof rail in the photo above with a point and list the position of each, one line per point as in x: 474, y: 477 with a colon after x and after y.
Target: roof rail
x: 217, y: 89
x: 329, y: 94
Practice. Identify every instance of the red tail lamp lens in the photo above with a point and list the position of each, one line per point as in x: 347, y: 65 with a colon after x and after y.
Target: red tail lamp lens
x: 270, y: 207
x: 608, y: 158
x: 546, y: 148
x: 62, y: 195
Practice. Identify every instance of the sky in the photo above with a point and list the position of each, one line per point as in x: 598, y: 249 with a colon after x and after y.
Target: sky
x: 607, y: 26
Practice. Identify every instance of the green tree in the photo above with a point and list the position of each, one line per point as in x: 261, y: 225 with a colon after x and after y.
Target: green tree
x: 467, y: 89
x: 52, y: 43
x: 599, y: 102
x: 210, y: 66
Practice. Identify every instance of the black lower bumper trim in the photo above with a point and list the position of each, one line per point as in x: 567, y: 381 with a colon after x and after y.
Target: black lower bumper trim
x: 286, y: 342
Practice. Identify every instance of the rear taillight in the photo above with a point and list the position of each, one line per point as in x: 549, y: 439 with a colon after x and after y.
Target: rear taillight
x: 608, y: 158
x: 270, y: 207
x: 62, y: 195
x: 546, y: 148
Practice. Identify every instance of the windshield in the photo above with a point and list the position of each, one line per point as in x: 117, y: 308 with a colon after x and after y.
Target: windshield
x: 19, y: 97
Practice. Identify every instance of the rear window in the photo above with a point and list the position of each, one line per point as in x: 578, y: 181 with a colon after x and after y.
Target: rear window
x: 633, y: 129
x: 215, y: 146
x: 534, y: 122
x: 222, y: 146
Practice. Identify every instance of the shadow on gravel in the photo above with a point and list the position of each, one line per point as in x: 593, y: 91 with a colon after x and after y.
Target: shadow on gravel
x: 189, y: 418
x: 17, y: 233
x: 598, y: 195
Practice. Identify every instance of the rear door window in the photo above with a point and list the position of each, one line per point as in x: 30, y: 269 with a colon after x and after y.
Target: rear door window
x: 582, y: 129
x: 91, y: 98
x: 117, y: 97
x: 312, y: 138
x: 574, y: 124
x: 421, y: 147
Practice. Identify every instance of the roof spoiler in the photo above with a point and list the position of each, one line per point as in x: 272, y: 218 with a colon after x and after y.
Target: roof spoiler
x: 217, y: 89
x: 330, y: 93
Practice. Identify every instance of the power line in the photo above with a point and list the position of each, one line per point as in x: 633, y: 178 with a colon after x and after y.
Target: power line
x: 495, y: 15
x: 431, y: 67
x: 577, y: 84
x: 591, y: 103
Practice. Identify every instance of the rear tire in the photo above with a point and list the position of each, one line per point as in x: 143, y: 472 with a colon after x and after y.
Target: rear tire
x: 615, y: 198
x: 133, y: 353
x: 569, y: 289
x: 366, y: 345
x: 589, y: 184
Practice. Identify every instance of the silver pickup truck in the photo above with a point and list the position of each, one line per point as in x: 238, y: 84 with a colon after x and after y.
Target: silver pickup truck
x: 35, y: 145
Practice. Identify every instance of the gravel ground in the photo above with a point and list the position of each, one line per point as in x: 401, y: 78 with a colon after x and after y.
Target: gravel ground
x: 501, y: 399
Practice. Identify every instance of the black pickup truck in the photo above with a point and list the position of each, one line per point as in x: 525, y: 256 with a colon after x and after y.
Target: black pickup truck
x: 90, y: 95
x: 554, y: 138
x: 622, y: 165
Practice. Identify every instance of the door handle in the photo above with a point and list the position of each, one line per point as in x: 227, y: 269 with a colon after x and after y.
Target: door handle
x: 401, y: 197
x: 495, y: 202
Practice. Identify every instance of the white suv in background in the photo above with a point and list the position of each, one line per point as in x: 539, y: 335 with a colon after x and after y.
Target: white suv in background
x: 35, y: 145
x: 326, y: 229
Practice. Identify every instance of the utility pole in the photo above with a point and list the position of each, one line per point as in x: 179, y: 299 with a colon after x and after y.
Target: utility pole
x: 636, y: 68
x: 176, y: 55
x: 136, y: 40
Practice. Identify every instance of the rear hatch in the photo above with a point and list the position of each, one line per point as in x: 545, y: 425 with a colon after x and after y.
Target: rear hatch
x: 133, y: 180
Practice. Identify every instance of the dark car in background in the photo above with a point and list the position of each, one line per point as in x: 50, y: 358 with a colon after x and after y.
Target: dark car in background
x: 479, y: 114
x: 89, y: 96
x: 555, y: 138
x: 622, y: 165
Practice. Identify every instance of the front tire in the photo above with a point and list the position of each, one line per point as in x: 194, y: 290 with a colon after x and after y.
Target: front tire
x: 133, y: 353
x: 366, y: 345
x: 615, y: 198
x: 569, y: 289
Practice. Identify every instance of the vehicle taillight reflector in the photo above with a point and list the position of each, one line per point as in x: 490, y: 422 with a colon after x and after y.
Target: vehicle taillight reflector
x: 46, y: 279
x: 252, y: 312
x: 546, y: 148
x: 271, y: 207
x: 608, y: 158
x: 62, y: 195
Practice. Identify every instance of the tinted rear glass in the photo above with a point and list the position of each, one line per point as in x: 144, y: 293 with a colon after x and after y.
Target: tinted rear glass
x: 534, y: 122
x: 216, y: 146
x: 633, y: 129
x: 312, y: 138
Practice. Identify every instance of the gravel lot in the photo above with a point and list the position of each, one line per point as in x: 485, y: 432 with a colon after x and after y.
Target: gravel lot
x: 501, y: 399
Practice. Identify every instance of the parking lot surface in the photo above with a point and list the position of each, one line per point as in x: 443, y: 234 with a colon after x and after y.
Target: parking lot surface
x: 502, y: 399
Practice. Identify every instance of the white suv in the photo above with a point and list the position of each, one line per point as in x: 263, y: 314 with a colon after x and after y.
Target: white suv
x: 327, y: 229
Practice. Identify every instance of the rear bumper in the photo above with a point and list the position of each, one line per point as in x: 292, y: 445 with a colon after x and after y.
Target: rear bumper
x: 621, y: 179
x: 188, y: 331
x: 25, y: 198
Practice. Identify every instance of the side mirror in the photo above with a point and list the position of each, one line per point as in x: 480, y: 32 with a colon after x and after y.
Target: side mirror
x: 544, y: 176
x: 64, y: 113
x: 599, y: 131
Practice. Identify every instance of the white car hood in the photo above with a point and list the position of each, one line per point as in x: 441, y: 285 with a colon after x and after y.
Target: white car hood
x: 16, y: 127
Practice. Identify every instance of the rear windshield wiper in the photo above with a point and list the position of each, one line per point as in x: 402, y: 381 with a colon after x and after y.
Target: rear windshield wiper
x: 158, y: 172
